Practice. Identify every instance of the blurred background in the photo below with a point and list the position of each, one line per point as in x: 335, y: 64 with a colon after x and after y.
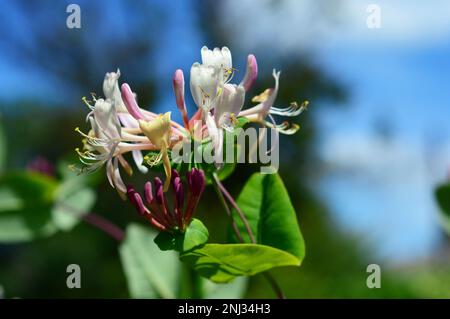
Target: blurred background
x: 361, y: 170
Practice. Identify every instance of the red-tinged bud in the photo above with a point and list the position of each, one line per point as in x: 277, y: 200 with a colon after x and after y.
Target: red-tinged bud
x: 41, y: 165
x: 130, y: 194
x: 196, y: 181
x: 130, y: 102
x: 158, y: 213
x: 251, y: 73
x: 178, y: 192
x: 148, y: 193
x: 159, y: 192
x: 140, y: 204
x: 178, y: 89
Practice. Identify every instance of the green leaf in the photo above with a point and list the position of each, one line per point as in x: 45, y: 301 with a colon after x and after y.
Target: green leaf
x: 72, y: 202
x: 443, y: 198
x: 150, y: 272
x: 196, y: 234
x: 223, y: 262
x: 266, y: 204
x: 2, y: 148
x: 34, y: 205
x: 169, y: 241
x: 26, y: 200
x: 233, y: 290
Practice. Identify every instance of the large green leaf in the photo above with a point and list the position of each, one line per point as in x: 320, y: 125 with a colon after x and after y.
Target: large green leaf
x: 150, y: 272
x: 72, y: 201
x: 223, y: 262
x: 266, y: 204
x: 25, y: 206
x: 34, y: 205
x: 233, y: 290
x: 443, y: 198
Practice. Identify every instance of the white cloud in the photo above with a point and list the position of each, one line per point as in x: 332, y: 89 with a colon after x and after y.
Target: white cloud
x: 383, y: 190
x: 293, y: 26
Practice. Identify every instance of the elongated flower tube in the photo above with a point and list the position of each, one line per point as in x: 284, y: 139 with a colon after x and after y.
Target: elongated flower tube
x: 155, y: 208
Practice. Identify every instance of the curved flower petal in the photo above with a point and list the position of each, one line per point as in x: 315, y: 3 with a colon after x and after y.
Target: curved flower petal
x: 111, y: 90
x: 229, y: 104
x: 204, y: 84
x: 158, y: 132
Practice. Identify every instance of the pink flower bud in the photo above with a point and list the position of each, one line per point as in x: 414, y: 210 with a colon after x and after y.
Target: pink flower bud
x: 178, y: 89
x: 130, y: 102
x: 251, y: 73
x: 148, y: 193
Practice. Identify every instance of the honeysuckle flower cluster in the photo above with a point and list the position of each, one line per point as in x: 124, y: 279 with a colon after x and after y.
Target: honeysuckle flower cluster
x: 120, y: 126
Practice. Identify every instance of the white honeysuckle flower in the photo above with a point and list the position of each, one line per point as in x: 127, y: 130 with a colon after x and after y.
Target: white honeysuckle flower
x: 265, y: 109
x: 229, y: 105
x: 103, y: 144
x: 219, y: 59
x: 204, y: 84
x: 116, y: 129
x: 105, y: 116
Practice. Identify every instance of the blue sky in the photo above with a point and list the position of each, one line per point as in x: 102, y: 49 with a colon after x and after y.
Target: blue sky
x: 380, y: 188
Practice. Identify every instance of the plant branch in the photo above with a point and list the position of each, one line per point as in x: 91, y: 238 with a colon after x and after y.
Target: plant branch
x: 273, y: 283
x: 235, y: 205
x: 97, y: 221
x: 227, y: 210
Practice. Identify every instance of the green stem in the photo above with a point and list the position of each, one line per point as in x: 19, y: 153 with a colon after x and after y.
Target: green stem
x: 236, y: 207
x: 227, y: 210
x: 273, y: 283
